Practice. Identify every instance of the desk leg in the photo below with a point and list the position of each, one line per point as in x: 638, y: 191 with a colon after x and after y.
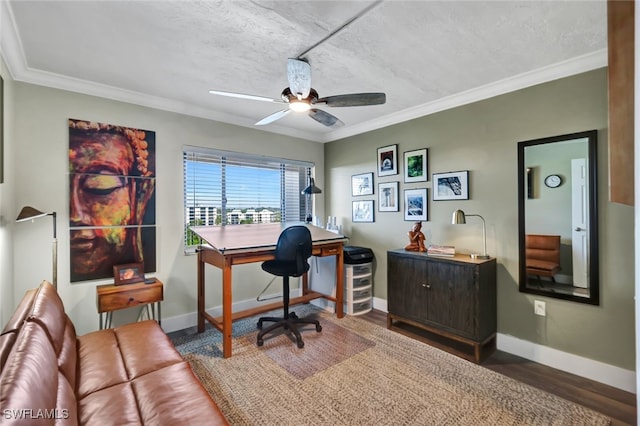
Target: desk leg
x: 340, y: 283
x: 227, y: 301
x: 200, y: 292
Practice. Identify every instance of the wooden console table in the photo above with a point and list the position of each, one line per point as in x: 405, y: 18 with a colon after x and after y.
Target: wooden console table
x: 241, y: 244
x: 112, y: 297
x: 449, y: 302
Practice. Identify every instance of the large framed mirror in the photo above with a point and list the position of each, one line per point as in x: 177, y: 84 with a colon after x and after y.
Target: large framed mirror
x: 558, y: 217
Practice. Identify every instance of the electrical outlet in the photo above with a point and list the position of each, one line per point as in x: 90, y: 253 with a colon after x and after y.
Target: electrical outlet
x: 540, y: 308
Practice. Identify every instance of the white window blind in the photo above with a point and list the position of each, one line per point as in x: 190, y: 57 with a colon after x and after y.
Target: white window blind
x: 228, y: 188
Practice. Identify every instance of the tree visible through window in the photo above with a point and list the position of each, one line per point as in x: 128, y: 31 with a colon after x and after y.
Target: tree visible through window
x: 229, y: 188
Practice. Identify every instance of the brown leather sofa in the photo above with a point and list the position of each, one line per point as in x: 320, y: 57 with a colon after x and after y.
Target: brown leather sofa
x: 129, y: 375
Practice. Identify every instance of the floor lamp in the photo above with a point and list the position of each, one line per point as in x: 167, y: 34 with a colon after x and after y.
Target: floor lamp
x: 459, y: 218
x: 29, y: 213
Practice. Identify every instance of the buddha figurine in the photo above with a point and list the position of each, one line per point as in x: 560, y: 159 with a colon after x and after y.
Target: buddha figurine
x: 416, y: 238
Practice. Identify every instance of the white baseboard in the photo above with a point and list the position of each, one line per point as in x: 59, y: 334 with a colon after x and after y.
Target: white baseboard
x: 574, y: 364
x: 181, y: 322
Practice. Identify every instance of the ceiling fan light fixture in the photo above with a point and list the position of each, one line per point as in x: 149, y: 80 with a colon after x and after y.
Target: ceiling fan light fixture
x: 299, y: 106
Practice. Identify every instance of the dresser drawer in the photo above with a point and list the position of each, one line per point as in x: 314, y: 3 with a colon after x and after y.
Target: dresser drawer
x: 111, y: 299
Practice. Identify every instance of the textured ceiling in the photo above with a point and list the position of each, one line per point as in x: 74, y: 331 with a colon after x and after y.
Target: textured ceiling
x: 425, y: 55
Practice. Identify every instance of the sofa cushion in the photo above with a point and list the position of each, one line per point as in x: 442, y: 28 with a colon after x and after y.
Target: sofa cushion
x: 100, y: 364
x: 115, y: 405
x: 29, y: 380
x: 173, y: 396
x: 21, y: 312
x: 48, y: 311
x: 142, y: 356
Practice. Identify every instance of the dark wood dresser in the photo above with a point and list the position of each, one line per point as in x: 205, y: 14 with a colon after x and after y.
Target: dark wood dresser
x: 449, y: 302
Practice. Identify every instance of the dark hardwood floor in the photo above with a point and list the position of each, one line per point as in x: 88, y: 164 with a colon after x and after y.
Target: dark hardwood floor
x: 619, y: 405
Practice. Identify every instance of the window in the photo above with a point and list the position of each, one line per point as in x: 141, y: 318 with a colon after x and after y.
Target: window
x: 229, y: 188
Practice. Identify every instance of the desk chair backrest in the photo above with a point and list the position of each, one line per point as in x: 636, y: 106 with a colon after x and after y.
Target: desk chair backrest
x: 293, y: 249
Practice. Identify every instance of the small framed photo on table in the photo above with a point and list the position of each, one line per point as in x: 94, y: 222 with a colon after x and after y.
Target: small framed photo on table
x: 128, y: 273
x: 451, y: 186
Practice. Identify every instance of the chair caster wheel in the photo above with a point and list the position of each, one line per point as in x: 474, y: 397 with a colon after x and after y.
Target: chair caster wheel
x: 318, y: 328
x: 260, y: 342
x: 300, y: 344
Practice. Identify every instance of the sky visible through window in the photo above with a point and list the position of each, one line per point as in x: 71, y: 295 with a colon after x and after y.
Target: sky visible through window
x: 247, y: 187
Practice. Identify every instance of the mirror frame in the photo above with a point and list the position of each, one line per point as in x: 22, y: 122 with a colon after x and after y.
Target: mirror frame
x: 593, y: 267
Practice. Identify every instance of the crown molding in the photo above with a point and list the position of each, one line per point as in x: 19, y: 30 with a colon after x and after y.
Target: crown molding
x: 577, y: 65
x: 13, y: 55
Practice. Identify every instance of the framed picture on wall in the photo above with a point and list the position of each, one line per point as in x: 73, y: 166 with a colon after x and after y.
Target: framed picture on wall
x: 362, y: 211
x: 451, y: 186
x: 415, y: 204
x: 388, y: 160
x: 388, y: 199
x: 362, y: 184
x: 415, y: 166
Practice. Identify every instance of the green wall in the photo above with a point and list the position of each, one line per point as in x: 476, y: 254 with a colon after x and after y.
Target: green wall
x: 482, y: 138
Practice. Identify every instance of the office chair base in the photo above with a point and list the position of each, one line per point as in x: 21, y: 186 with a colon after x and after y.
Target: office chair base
x: 289, y: 323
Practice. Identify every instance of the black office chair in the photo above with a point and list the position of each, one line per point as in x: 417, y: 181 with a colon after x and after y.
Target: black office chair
x: 292, y: 251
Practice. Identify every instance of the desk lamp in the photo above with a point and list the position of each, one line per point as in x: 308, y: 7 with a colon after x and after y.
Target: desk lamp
x: 29, y: 213
x: 308, y: 192
x: 459, y: 218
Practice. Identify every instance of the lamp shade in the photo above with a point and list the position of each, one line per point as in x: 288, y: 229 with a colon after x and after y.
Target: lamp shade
x: 312, y: 188
x: 458, y: 218
x: 28, y: 213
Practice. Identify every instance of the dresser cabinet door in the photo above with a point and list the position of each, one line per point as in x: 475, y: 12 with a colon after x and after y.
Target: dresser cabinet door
x: 452, y: 297
x: 407, y: 292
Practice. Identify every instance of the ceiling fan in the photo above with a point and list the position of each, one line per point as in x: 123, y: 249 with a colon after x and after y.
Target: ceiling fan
x: 301, y: 97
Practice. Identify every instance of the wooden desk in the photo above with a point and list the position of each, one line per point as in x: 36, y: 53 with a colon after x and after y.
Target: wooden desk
x: 111, y: 298
x: 240, y: 244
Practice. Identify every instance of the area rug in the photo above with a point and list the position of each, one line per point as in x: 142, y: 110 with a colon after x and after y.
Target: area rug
x: 367, y: 375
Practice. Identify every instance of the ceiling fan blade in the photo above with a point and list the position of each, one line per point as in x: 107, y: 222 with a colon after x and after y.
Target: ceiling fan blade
x: 273, y: 117
x: 354, y: 99
x: 299, y: 76
x: 243, y: 96
x: 325, y: 118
